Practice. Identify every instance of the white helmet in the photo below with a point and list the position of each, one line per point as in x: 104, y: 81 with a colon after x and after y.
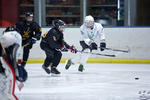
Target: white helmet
x: 89, y: 21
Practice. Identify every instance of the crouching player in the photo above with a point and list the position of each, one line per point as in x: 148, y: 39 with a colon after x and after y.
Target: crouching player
x: 52, y: 43
x: 10, y: 51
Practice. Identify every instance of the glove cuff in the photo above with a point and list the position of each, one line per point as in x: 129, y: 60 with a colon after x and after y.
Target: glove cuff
x: 71, y: 47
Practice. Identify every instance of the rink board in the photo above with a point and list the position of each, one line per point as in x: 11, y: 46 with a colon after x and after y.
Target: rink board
x: 134, y: 38
x: 101, y: 60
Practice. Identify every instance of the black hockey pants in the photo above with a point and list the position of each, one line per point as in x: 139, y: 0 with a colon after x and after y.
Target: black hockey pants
x: 26, y: 51
x: 52, y: 56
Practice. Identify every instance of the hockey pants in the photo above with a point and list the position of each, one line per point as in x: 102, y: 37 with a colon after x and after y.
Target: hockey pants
x: 82, y: 57
x: 53, y: 57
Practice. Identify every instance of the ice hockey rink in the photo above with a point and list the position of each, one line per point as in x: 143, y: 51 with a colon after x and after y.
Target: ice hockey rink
x: 97, y: 82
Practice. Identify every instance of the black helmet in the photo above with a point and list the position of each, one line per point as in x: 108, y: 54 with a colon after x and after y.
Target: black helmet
x: 10, y: 28
x: 29, y: 14
x: 57, y: 23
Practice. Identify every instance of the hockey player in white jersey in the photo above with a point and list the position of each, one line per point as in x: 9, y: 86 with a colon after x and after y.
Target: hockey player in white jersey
x: 92, y: 34
x: 10, y: 51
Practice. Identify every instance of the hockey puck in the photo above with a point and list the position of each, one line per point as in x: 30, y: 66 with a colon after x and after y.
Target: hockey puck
x: 136, y: 78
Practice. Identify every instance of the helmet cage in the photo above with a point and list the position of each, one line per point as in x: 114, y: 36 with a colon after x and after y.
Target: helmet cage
x: 89, y: 21
x: 29, y: 14
x: 58, y: 23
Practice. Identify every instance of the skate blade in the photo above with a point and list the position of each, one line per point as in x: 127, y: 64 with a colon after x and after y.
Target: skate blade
x: 55, y: 75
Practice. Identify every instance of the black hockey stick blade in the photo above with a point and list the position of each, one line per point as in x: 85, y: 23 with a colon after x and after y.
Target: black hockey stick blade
x: 118, y: 50
x: 98, y: 54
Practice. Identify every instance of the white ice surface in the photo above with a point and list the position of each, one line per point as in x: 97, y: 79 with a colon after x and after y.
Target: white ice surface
x: 97, y: 82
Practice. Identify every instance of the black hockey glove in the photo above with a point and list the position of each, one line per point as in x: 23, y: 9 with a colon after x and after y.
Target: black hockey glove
x: 38, y: 36
x: 93, y: 46
x: 32, y: 41
x: 102, y: 46
x: 84, y: 45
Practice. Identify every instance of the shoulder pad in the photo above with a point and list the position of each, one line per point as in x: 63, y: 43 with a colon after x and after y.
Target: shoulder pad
x: 53, y: 30
x: 34, y: 24
x: 21, y: 23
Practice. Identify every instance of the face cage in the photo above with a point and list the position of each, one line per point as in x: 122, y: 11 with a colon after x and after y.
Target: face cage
x: 61, y: 28
x: 29, y: 19
x: 89, y: 24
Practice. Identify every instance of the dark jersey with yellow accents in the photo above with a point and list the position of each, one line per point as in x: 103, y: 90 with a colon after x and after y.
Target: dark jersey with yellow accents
x: 28, y: 30
x: 54, y: 38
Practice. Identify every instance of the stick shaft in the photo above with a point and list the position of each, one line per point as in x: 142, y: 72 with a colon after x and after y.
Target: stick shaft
x: 126, y: 51
x: 98, y: 54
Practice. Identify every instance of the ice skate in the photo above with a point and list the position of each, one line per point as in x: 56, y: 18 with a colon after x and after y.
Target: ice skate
x: 68, y: 64
x: 46, y: 69
x: 54, y: 70
x: 81, y: 68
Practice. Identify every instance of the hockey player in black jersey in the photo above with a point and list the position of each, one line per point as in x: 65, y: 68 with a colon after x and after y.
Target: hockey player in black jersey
x: 52, y: 43
x: 30, y: 32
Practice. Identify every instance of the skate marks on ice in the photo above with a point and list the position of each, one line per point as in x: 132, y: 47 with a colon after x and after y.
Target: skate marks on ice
x: 97, y: 82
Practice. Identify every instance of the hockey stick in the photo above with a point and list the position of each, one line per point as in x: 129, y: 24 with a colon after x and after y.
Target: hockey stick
x: 118, y: 50
x: 3, y: 49
x: 28, y: 43
x: 98, y: 54
x: 66, y: 50
x: 25, y: 45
